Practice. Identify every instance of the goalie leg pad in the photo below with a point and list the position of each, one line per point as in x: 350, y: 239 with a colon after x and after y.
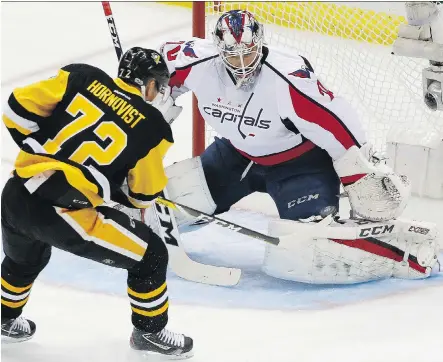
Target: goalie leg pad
x: 347, y: 252
x: 187, y: 185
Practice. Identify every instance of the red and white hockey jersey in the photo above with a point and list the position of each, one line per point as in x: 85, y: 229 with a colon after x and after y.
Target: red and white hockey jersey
x: 287, y: 113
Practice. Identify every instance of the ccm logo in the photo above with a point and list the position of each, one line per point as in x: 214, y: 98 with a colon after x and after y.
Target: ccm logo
x: 301, y: 200
x: 221, y: 223
x: 376, y: 230
x: 418, y: 230
x: 166, y: 225
x: 113, y: 31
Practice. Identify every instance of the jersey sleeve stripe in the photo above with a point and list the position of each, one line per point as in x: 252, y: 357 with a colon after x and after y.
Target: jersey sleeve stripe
x: 13, y: 120
x: 10, y: 124
x: 16, y: 108
x: 178, y: 77
x: 313, y: 112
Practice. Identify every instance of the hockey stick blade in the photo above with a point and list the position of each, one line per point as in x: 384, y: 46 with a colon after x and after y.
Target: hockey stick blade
x: 181, y: 264
x: 186, y: 268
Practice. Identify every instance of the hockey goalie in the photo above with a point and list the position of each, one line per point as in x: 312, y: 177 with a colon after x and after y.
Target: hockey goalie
x: 285, y: 134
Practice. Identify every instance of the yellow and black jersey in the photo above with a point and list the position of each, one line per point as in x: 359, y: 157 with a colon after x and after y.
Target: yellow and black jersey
x: 90, y: 132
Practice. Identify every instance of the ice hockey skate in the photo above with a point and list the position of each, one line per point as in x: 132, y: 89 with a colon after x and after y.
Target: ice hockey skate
x: 173, y: 345
x: 17, y: 330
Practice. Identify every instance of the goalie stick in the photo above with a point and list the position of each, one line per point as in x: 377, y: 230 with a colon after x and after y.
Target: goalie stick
x: 180, y: 262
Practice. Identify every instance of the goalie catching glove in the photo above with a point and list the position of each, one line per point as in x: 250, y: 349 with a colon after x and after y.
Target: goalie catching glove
x: 375, y: 192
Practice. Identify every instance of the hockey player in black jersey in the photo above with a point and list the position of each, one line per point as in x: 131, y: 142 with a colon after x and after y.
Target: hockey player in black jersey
x: 83, y: 135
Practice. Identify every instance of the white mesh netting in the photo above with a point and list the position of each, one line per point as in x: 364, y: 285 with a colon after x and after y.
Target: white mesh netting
x: 350, y: 50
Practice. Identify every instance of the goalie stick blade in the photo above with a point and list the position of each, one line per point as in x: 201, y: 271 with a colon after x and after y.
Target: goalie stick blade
x: 191, y: 270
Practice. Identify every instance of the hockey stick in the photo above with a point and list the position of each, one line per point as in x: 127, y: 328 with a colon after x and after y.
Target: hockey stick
x: 180, y: 262
x: 112, y: 29
x: 213, y: 219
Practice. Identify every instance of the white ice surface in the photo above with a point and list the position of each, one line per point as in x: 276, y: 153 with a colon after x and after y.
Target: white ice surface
x: 80, y: 307
x: 75, y: 326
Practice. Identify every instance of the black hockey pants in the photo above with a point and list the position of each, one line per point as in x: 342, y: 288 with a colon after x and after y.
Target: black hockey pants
x: 31, y: 226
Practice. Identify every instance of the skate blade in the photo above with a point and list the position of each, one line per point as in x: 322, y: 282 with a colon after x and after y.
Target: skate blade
x: 11, y: 340
x: 154, y: 356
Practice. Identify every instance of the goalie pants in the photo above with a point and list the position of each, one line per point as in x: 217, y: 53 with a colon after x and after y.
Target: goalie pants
x: 300, y: 188
x: 31, y: 226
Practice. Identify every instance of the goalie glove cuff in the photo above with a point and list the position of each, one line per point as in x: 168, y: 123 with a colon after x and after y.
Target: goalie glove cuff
x: 375, y: 192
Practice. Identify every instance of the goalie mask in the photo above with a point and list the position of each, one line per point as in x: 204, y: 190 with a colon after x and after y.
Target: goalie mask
x: 239, y: 40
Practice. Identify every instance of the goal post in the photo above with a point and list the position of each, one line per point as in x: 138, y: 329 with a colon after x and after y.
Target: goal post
x: 198, y: 124
x: 350, y: 48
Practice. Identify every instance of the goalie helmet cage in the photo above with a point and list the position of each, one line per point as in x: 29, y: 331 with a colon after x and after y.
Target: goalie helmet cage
x: 350, y: 50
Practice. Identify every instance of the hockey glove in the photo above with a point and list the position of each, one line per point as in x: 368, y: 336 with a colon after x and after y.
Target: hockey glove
x: 165, y: 104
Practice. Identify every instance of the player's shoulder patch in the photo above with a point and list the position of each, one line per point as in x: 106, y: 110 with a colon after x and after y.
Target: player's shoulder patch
x: 292, y: 67
x: 188, y: 52
x: 197, y: 48
x: 297, y: 71
x: 302, y: 72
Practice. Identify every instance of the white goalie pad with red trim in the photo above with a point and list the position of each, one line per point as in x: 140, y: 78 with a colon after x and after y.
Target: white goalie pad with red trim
x: 351, y: 251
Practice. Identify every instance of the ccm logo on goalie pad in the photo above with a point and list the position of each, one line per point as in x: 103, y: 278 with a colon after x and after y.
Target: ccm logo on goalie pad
x: 302, y: 199
x: 418, y: 230
x: 166, y: 224
x: 376, y: 230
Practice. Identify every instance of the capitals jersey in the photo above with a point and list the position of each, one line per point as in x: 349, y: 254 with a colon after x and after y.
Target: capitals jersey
x: 87, y: 134
x: 287, y: 113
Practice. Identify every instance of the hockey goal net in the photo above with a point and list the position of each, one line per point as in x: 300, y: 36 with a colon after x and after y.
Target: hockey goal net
x: 350, y: 49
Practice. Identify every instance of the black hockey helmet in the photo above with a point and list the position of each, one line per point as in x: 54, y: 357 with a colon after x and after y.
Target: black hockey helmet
x: 139, y: 65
